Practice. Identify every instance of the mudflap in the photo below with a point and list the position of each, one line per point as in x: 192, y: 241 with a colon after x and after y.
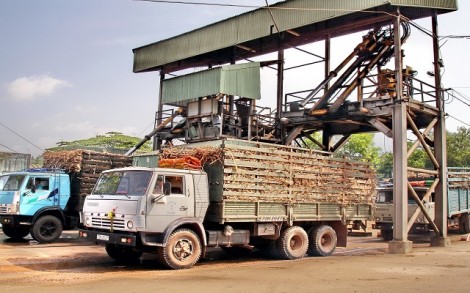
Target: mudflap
x: 341, y: 233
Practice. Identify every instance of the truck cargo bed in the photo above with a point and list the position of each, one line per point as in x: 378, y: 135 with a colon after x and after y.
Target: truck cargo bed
x: 253, y: 181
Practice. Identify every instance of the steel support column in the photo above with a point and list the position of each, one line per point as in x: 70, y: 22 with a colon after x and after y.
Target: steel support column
x: 156, y: 141
x: 280, y: 82
x: 400, y: 243
x: 440, y: 148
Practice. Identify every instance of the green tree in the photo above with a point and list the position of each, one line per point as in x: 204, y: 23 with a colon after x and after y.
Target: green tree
x: 458, y: 148
x: 385, y: 166
x: 360, y: 147
x: 110, y: 141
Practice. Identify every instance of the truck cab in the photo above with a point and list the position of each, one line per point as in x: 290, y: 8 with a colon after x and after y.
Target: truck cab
x: 34, y: 201
x: 384, y: 211
x: 139, y: 205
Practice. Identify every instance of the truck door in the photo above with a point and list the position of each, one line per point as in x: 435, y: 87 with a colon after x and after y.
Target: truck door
x: 39, y: 193
x: 171, y: 198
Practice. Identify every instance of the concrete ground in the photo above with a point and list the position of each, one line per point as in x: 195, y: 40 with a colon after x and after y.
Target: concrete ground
x: 364, y: 266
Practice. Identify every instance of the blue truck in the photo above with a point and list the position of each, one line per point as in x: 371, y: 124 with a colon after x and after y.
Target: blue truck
x: 45, y: 201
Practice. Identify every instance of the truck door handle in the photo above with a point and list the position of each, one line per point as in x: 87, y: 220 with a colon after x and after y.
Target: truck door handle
x: 183, y: 208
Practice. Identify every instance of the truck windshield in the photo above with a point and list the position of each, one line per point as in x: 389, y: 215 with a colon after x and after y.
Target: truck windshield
x: 11, y: 182
x: 123, y: 182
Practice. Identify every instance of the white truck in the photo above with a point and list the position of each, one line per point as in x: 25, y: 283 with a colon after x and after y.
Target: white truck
x: 284, y: 200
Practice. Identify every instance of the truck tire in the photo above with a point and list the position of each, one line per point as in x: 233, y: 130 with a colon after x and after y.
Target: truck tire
x: 122, y: 253
x: 293, y: 243
x: 46, y: 229
x: 15, y: 233
x: 387, y: 233
x: 182, y: 250
x: 323, y: 241
x: 464, y: 223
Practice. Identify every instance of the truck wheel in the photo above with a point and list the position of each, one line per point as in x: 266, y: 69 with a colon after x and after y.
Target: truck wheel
x: 387, y: 234
x: 15, y: 233
x: 323, y: 241
x: 122, y: 253
x: 46, y: 229
x: 182, y: 250
x: 464, y: 223
x: 293, y: 243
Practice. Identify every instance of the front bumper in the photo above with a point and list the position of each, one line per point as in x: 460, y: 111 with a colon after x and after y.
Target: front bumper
x: 103, y: 237
x: 15, y: 220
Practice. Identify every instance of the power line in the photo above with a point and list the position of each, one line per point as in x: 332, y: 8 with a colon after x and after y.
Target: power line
x: 466, y: 103
x: 455, y: 118
x: 8, y: 148
x: 21, y: 137
x: 272, y: 16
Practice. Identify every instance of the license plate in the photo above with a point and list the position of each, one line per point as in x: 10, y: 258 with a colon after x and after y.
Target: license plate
x: 102, y: 237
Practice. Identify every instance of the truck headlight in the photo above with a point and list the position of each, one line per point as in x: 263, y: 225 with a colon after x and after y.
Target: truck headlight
x: 130, y: 224
x: 87, y: 221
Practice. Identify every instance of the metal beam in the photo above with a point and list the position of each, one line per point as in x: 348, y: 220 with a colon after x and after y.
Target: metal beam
x: 423, y: 209
x: 400, y: 243
x: 421, y: 139
x: 426, y: 197
x: 440, y: 147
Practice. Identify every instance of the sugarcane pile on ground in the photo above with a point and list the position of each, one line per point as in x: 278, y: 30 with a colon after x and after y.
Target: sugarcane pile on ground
x: 85, y: 164
x: 264, y: 172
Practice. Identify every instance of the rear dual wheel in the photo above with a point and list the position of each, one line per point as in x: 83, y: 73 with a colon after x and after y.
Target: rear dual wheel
x: 323, y: 241
x: 293, y: 243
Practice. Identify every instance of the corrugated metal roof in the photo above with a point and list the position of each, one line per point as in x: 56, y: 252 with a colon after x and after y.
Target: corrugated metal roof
x: 241, y: 80
x: 257, y: 25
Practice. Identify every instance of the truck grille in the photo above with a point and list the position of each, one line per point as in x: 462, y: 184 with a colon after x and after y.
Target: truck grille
x: 106, y: 223
x: 3, y: 209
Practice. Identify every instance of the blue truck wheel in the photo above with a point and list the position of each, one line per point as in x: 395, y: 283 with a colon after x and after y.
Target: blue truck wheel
x: 46, y: 229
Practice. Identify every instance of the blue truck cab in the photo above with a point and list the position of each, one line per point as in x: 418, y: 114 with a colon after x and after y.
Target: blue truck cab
x: 42, y: 202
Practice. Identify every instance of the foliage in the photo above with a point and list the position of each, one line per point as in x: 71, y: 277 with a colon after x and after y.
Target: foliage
x: 360, y: 147
x: 418, y: 159
x: 110, y: 141
x: 458, y: 148
x: 385, y: 166
x: 458, y: 154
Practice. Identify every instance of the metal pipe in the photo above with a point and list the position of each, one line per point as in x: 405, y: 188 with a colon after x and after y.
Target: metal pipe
x: 155, y: 131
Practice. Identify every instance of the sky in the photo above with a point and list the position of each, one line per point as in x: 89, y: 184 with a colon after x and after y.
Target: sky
x: 66, y: 66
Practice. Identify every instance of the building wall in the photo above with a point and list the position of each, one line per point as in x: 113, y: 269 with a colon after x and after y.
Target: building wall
x: 10, y: 162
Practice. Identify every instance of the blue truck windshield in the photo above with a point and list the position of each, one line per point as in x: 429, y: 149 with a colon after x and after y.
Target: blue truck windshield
x: 123, y: 182
x: 11, y: 182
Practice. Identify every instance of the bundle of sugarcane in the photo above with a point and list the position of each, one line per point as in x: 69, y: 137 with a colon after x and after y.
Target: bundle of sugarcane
x: 205, y: 155
x: 186, y: 162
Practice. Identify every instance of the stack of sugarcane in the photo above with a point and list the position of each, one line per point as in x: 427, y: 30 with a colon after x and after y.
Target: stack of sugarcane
x: 459, y: 178
x: 185, y: 162
x: 85, y: 164
x: 205, y: 155
x: 255, y: 171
